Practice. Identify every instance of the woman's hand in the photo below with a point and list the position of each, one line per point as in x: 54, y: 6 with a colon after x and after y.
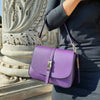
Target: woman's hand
x: 70, y: 5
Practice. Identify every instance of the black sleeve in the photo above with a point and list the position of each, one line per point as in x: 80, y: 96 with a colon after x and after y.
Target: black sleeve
x: 56, y: 16
x: 51, y: 5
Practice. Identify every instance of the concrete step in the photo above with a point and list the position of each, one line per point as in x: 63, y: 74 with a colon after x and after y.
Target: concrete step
x: 41, y: 97
x: 29, y: 90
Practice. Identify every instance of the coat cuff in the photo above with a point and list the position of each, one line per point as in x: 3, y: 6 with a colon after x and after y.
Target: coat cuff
x: 56, y: 17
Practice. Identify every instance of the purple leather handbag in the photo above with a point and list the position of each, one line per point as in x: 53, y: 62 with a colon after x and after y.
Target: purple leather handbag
x: 53, y: 65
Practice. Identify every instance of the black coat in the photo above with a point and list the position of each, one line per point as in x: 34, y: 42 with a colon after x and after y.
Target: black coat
x: 84, y: 27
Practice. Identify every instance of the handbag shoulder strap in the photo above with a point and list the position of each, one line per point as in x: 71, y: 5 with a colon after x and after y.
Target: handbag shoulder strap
x: 70, y: 37
x: 42, y: 30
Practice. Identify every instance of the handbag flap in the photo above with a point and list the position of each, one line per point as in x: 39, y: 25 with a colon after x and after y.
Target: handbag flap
x: 62, y: 62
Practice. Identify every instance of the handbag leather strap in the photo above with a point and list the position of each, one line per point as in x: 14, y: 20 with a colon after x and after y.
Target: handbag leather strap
x: 71, y: 40
x: 74, y: 49
x: 50, y: 65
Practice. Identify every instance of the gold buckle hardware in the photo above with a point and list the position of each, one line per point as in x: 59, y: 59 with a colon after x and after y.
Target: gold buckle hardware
x: 49, y: 64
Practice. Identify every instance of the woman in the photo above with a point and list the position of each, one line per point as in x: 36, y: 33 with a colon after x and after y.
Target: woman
x: 82, y: 18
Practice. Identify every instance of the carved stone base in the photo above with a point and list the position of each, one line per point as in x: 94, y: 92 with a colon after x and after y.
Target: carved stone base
x: 5, y: 80
x: 11, y: 69
x: 12, y: 72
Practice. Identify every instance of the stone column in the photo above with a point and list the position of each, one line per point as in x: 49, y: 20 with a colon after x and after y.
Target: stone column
x: 21, y: 24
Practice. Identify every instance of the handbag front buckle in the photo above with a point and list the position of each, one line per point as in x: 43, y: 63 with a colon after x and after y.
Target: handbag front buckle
x: 48, y: 71
x: 49, y: 64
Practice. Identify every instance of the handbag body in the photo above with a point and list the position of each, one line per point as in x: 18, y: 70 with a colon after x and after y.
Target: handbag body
x: 53, y: 65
